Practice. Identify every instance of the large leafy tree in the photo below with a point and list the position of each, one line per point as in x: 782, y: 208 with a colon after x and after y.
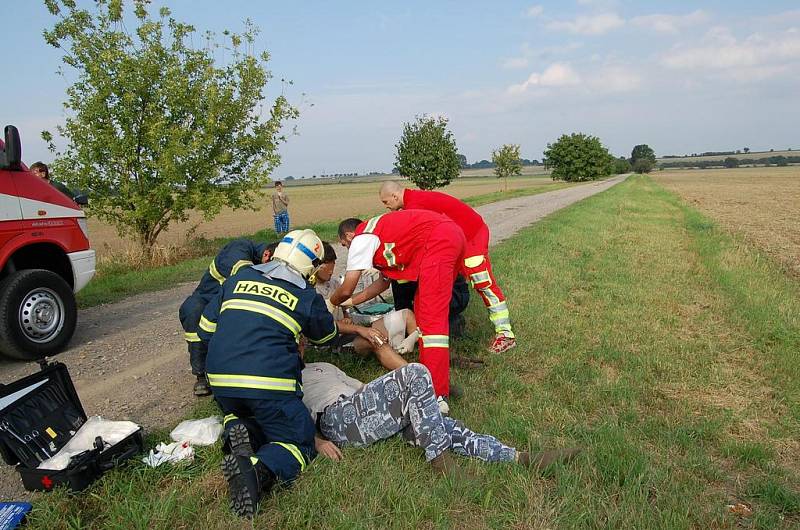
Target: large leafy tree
x: 643, y: 158
x: 427, y: 153
x: 578, y: 157
x: 157, y: 127
x: 507, y: 162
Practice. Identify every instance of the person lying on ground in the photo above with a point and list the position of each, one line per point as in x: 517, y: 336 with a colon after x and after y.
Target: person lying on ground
x: 348, y: 412
x: 365, y: 340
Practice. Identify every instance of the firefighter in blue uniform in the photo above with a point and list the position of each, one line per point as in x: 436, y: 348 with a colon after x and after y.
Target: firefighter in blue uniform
x: 253, y: 328
x: 232, y: 257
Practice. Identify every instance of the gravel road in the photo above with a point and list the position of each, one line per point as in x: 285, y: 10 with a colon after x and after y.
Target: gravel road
x: 128, y: 359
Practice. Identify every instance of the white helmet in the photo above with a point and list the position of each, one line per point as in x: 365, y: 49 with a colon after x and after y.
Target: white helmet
x: 301, y: 250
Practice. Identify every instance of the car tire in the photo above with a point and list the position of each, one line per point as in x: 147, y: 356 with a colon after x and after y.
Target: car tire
x: 38, y: 314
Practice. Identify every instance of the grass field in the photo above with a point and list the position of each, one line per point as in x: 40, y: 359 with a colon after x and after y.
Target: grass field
x: 664, y: 346
x: 308, y: 204
x: 741, y: 156
x: 762, y: 204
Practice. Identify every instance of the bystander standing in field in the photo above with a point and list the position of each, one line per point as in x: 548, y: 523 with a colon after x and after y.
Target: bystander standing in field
x: 280, y: 209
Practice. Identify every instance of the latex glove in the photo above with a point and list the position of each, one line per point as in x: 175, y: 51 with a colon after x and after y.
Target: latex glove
x: 347, y: 303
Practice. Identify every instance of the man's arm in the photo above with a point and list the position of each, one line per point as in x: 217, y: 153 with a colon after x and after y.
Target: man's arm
x: 345, y: 290
x: 373, y: 290
x: 284, y: 198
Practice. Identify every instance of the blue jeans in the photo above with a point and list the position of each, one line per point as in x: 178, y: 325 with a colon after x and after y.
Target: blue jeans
x: 281, y: 222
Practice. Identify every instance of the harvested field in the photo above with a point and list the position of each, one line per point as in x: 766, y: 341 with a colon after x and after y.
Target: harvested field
x: 308, y: 204
x: 741, y: 156
x: 762, y: 204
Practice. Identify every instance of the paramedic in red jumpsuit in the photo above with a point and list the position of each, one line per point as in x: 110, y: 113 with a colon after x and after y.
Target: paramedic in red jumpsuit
x: 413, y: 245
x: 476, y: 266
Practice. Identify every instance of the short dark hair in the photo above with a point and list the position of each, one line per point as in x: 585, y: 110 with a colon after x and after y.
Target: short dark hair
x: 348, y: 225
x: 42, y: 166
x: 330, y: 254
x: 271, y: 247
x: 278, y: 183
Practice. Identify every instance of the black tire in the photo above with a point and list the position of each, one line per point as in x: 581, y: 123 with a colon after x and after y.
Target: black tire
x: 23, y: 335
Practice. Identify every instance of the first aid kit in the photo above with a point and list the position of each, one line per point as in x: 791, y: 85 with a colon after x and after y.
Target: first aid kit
x: 39, y: 415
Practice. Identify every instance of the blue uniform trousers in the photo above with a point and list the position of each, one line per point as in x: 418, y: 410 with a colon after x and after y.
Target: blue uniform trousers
x: 189, y: 314
x: 281, y: 431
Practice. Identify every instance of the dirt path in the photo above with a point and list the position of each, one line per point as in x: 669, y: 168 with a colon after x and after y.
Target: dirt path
x: 129, y: 360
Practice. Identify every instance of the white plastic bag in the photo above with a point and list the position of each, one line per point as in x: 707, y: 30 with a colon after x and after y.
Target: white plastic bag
x: 112, y: 433
x: 174, y: 452
x: 198, y: 432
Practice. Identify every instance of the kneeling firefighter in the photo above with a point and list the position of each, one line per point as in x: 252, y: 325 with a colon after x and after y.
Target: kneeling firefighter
x: 254, y: 366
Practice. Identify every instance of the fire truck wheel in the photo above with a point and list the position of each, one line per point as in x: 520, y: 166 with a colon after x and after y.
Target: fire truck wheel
x: 37, y: 314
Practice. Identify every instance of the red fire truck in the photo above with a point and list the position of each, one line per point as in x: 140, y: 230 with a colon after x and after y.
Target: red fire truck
x: 44, y: 259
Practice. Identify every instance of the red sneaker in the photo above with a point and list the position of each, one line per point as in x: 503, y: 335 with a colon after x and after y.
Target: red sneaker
x: 502, y: 344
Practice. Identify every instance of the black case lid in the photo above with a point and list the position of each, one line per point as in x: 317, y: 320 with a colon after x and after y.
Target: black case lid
x: 14, y: 395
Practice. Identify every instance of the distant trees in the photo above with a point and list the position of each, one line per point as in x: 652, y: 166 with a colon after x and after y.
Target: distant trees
x: 507, y: 162
x: 462, y: 161
x: 731, y: 162
x: 578, y: 157
x: 643, y: 159
x: 746, y: 150
x: 621, y: 165
x: 427, y: 154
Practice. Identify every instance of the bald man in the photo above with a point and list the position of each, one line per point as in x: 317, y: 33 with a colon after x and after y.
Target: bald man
x: 476, y: 267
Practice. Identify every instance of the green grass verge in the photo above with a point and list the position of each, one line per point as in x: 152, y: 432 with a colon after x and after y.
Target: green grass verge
x: 662, y: 345
x: 115, y: 283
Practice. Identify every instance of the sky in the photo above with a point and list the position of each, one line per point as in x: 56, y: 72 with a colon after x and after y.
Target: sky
x: 683, y: 77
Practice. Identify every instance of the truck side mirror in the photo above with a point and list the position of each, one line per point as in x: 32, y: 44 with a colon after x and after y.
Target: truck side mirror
x: 82, y: 199
x: 11, y: 158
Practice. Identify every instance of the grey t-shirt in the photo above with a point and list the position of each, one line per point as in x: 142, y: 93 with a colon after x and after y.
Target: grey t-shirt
x: 323, y: 384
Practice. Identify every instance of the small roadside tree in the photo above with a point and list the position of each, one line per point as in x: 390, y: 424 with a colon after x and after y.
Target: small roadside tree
x: 427, y: 153
x: 643, y: 158
x: 621, y: 165
x: 578, y: 157
x: 156, y: 128
x: 507, y: 163
x: 462, y: 161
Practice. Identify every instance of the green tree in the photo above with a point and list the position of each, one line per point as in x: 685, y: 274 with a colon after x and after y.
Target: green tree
x: 643, y: 159
x: 622, y: 165
x: 731, y: 162
x: 507, y: 162
x: 427, y: 153
x: 462, y: 161
x: 578, y: 157
x: 155, y: 128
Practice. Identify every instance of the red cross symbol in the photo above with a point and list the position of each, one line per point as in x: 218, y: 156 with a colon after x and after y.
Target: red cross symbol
x: 47, y: 483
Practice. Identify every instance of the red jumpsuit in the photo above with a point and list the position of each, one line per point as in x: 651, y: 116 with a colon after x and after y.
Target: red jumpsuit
x: 428, y: 248
x: 476, y: 267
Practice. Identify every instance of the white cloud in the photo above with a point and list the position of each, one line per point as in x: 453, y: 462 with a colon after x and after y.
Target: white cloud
x: 604, y: 4
x: 555, y: 75
x: 662, y: 23
x: 515, y: 63
x: 588, y: 24
x: 615, y: 78
x: 534, y: 11
x: 721, y: 50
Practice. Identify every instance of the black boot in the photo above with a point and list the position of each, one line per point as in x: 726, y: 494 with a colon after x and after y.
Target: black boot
x: 201, y: 387
x: 248, y: 479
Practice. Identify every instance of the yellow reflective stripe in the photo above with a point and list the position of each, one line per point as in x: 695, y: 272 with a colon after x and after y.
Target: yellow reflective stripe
x: 493, y: 299
x: 436, y: 341
x: 239, y: 264
x: 388, y: 254
x: 191, y: 337
x: 229, y: 417
x: 473, y: 261
x: 295, y: 453
x: 263, y: 309
x: 212, y: 269
x: 498, y: 308
x: 252, y: 381
x: 326, y: 338
x: 207, y: 325
x: 371, y: 224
